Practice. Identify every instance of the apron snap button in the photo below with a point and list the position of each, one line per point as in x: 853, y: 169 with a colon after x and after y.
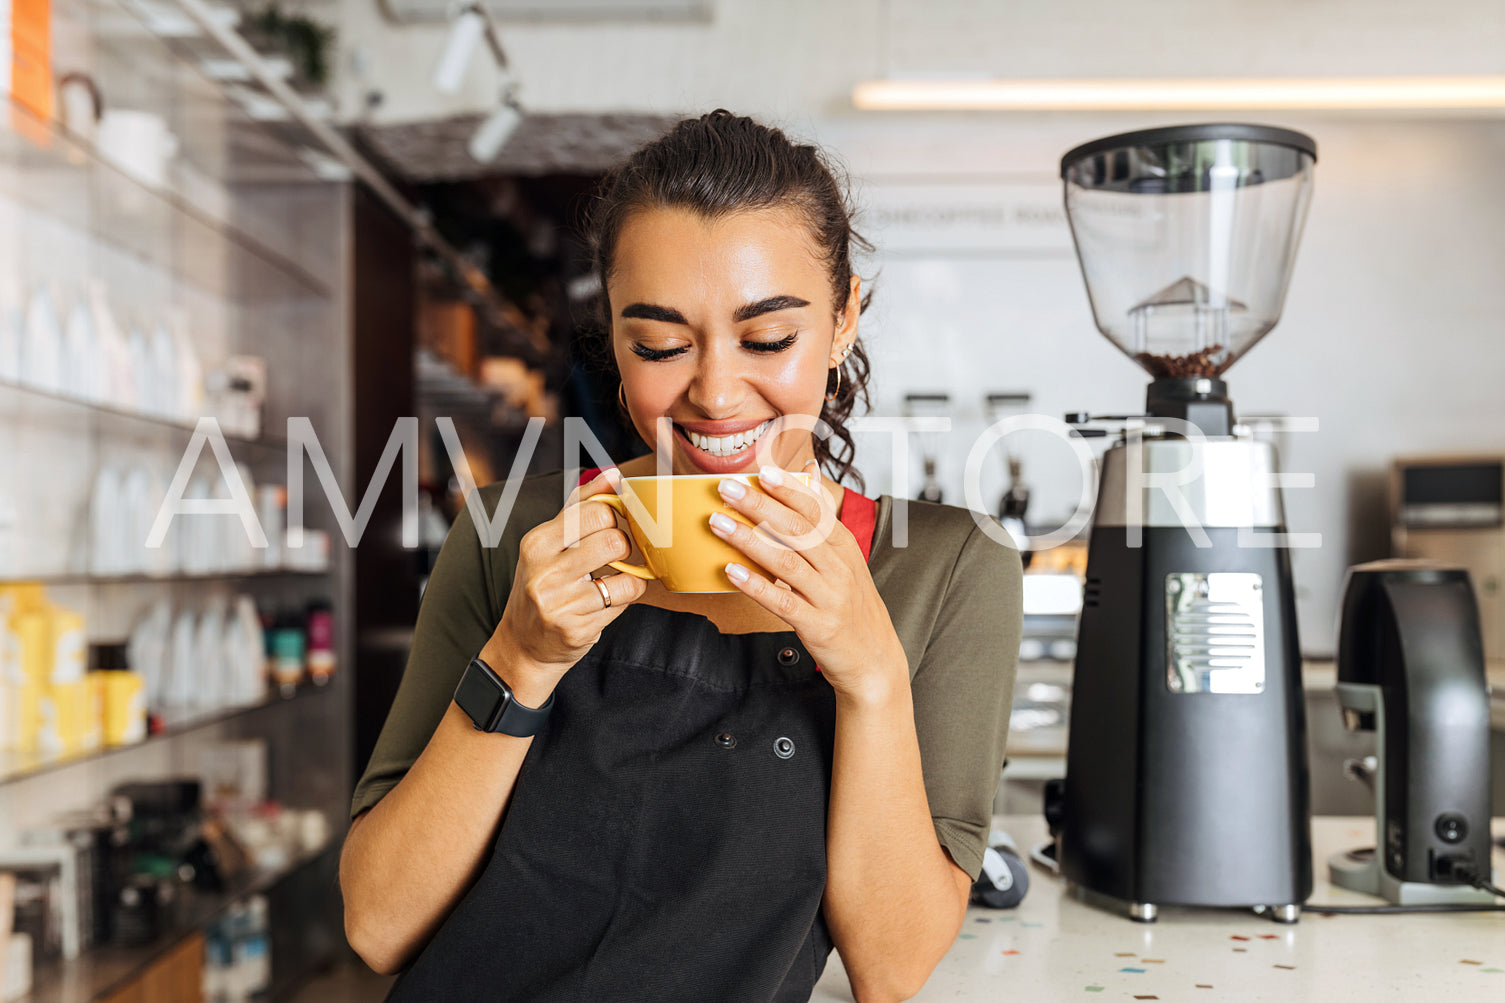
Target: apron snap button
x: 783, y: 748
x: 726, y: 740
x: 789, y: 657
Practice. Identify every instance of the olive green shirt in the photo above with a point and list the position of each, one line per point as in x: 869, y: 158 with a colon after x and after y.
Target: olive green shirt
x: 953, y: 593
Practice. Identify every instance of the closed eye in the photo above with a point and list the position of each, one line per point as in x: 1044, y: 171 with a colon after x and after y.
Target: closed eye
x: 662, y: 354
x: 658, y: 354
x: 772, y: 346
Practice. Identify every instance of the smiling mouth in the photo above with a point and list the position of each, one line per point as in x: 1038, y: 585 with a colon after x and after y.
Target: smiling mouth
x: 725, y: 445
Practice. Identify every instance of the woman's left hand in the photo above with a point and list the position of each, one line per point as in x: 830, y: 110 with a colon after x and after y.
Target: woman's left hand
x: 831, y: 601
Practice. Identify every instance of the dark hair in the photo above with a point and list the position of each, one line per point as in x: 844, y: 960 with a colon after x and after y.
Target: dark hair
x: 722, y: 163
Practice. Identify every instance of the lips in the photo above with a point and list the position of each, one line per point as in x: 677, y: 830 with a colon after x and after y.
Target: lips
x: 728, y: 443
x: 721, y: 459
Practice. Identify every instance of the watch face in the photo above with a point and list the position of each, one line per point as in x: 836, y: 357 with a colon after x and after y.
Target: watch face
x: 479, y: 695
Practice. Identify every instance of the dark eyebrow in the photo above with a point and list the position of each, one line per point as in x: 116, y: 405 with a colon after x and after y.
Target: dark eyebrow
x: 770, y: 305
x: 669, y: 315
x: 647, y: 311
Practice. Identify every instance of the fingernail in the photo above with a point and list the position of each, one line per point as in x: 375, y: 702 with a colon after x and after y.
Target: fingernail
x: 722, y: 523
x: 736, y: 572
x: 773, y: 475
x: 730, y: 488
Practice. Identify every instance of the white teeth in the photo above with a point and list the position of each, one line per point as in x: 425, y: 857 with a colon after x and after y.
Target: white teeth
x: 726, y: 445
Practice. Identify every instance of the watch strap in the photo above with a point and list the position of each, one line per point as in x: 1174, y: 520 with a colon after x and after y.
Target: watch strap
x: 491, y: 706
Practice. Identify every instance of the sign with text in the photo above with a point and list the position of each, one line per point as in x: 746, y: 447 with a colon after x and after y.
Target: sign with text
x: 971, y: 216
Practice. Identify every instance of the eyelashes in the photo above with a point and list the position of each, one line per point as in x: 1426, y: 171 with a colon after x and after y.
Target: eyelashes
x: 657, y: 354
x: 771, y: 346
x: 661, y: 354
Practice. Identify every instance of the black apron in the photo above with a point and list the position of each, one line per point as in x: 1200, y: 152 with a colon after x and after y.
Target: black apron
x: 666, y: 836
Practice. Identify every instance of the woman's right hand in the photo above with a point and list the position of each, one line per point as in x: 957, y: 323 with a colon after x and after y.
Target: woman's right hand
x: 554, y: 613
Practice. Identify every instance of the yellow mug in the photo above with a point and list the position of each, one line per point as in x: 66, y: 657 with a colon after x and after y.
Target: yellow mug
x: 678, y: 547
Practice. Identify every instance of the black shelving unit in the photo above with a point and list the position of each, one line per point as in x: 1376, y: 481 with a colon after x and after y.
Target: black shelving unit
x: 101, y: 970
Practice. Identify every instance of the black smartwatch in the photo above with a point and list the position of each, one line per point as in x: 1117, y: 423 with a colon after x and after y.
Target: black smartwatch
x: 488, y: 700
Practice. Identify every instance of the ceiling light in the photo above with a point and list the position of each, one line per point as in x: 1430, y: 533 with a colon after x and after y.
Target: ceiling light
x: 495, y: 130
x: 1330, y: 93
x: 464, y: 35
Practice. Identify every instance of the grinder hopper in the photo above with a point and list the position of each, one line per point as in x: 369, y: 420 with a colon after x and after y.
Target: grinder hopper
x: 1186, y: 237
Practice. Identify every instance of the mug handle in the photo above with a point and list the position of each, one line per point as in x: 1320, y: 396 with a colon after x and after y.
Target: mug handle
x: 635, y: 570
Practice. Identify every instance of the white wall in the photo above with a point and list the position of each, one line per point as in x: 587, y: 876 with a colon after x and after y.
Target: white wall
x: 1393, y: 334
x: 1393, y: 327
x: 798, y: 59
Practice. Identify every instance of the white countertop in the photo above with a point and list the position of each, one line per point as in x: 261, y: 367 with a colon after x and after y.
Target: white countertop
x: 1054, y: 947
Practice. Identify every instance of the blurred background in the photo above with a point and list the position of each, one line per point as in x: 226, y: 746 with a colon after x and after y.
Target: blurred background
x: 354, y: 211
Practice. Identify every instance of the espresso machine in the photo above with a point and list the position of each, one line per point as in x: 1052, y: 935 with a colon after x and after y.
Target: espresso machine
x: 929, y: 406
x: 1186, y: 774
x: 1411, y: 669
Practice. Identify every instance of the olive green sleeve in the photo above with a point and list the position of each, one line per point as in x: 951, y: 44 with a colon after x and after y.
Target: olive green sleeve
x: 963, y: 692
x: 461, y: 606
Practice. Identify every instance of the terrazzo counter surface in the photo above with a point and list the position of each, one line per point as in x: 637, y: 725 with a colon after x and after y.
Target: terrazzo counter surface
x: 1054, y: 947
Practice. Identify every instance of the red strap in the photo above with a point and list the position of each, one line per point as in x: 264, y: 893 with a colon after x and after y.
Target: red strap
x: 859, y: 513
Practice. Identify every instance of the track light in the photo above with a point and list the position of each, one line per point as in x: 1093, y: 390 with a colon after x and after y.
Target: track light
x: 464, y: 35
x: 496, y: 129
x: 471, y: 24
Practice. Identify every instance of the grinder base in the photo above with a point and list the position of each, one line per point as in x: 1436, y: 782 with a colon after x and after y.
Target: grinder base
x: 1149, y: 912
x: 1360, y: 871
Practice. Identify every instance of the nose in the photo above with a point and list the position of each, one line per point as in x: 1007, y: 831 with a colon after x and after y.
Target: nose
x: 717, y: 389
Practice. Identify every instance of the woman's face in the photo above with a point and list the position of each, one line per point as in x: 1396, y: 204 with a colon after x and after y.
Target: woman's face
x: 723, y: 326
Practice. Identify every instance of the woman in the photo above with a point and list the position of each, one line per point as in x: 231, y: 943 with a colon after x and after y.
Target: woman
x: 723, y: 785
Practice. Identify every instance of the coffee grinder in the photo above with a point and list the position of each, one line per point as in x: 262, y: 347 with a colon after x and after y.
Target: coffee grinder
x: 1186, y: 774
x: 1411, y: 669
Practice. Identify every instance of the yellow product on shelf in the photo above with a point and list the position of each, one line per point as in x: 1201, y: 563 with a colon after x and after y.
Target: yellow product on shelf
x: 69, y: 650
x: 124, y: 701
x: 27, y: 715
x: 10, y: 676
x: 30, y: 624
x: 74, y: 711
x: 25, y: 636
x: 53, y: 709
x: 9, y: 726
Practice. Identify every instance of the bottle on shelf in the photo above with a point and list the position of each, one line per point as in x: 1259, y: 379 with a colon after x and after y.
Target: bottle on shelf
x: 288, y: 645
x: 321, y: 657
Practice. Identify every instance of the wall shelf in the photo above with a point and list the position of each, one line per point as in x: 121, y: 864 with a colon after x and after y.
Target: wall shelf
x: 123, y: 422
x: 136, y: 218
x: 67, y: 579
x: 99, y: 970
x: 16, y: 766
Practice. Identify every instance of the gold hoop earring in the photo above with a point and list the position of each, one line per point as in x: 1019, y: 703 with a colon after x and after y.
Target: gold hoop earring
x: 622, y: 395
x: 835, y: 393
